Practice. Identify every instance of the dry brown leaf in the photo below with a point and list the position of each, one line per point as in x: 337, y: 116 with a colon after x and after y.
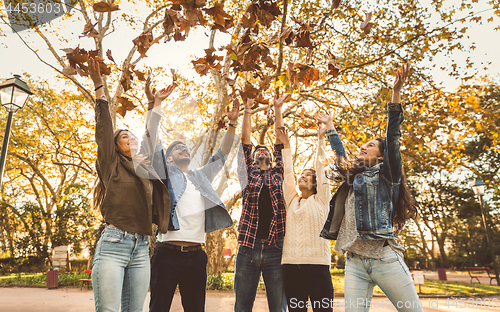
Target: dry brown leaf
x: 144, y: 42
x: 109, y: 56
x: 89, y: 30
x: 336, y: 3
x: 366, y: 26
x: 105, y: 6
x: 126, y: 105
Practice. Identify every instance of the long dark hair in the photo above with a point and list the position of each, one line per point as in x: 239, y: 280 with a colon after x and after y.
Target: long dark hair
x: 345, y: 170
x: 99, y: 189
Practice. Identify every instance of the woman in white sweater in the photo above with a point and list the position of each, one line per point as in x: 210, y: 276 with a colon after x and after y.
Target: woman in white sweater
x: 306, y: 256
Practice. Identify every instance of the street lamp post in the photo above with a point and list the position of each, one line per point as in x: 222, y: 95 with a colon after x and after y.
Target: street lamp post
x: 14, y: 94
x: 478, y: 188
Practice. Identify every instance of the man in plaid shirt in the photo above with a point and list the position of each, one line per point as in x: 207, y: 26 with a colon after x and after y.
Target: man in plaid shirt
x: 262, y: 222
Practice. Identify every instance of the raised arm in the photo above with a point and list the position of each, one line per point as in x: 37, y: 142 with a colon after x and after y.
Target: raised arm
x: 278, y: 105
x: 232, y: 115
x: 150, y: 136
x: 104, y: 125
x: 331, y: 133
x: 289, y: 191
x: 391, y: 168
x: 246, y: 126
x: 323, y: 184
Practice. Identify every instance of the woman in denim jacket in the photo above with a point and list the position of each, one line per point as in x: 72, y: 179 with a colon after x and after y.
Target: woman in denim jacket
x: 373, y: 201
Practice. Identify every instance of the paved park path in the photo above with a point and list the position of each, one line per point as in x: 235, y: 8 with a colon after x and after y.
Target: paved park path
x: 73, y: 300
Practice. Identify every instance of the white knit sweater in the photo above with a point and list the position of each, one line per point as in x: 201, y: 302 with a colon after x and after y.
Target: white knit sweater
x: 305, y: 218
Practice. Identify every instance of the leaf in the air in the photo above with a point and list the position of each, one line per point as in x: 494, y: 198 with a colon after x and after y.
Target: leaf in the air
x: 126, y: 105
x: 110, y: 57
x: 366, y: 26
x: 89, y: 30
x: 105, y: 6
x: 144, y: 42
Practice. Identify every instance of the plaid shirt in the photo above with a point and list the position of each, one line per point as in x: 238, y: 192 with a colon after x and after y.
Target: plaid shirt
x: 251, y: 180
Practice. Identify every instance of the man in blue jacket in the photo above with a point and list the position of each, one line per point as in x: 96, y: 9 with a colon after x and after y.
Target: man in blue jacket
x: 195, y: 209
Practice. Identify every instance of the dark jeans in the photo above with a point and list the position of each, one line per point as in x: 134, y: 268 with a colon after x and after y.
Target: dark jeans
x: 250, y: 264
x: 308, y: 280
x: 170, y: 268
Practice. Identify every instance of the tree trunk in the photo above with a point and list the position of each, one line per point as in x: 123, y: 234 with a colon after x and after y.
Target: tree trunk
x: 215, y: 252
x: 442, y: 253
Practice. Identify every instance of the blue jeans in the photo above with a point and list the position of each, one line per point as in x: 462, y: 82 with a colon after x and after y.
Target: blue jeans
x: 250, y: 264
x: 121, y: 271
x: 390, y: 273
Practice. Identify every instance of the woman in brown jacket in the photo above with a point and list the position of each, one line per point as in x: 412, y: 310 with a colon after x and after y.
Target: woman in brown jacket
x: 131, y: 197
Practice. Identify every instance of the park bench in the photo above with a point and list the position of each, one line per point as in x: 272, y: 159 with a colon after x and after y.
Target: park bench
x: 87, y: 281
x: 473, y: 270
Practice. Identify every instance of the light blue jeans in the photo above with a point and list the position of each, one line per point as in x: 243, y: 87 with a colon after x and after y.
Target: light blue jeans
x: 121, y: 271
x: 390, y: 273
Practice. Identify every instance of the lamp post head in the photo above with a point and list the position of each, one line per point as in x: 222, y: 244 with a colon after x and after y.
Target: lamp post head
x: 14, y: 93
x: 478, y: 187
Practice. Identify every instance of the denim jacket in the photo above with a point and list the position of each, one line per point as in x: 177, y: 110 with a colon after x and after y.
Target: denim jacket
x: 216, y: 215
x: 376, y: 189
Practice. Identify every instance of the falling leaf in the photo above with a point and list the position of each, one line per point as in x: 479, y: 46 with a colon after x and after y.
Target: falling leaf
x: 110, y: 57
x: 333, y: 69
x: 288, y: 35
x: 308, y: 125
x: 265, y: 82
x: 250, y: 92
x: 307, y: 74
x: 174, y: 74
x: 303, y: 39
x: 89, y: 30
x: 126, y: 80
x: 336, y: 3
x: 140, y: 75
x: 126, y: 105
x: 222, y: 20
x: 366, y: 26
x: 105, y: 6
x: 260, y: 99
x: 144, y: 42
x: 169, y: 21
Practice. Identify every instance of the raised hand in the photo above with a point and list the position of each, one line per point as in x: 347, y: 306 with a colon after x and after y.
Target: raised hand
x: 278, y: 102
x: 94, y: 72
x: 401, y: 76
x: 163, y: 94
x: 147, y: 89
x: 323, y: 118
x: 282, y: 135
x: 249, y: 104
x: 233, y: 113
x: 321, y: 131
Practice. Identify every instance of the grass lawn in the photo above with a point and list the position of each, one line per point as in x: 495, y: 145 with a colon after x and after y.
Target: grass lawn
x: 226, y: 280
x: 40, y: 279
x: 432, y: 287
